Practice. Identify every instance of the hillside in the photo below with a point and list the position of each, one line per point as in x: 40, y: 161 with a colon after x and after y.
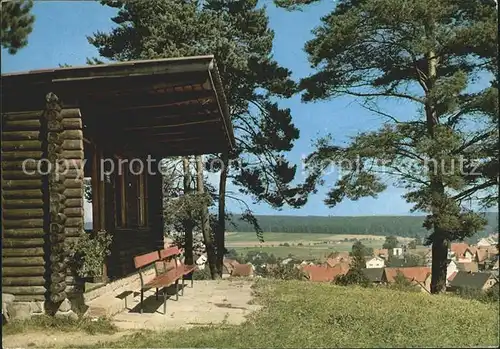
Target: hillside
x: 313, y: 315
x: 405, y: 226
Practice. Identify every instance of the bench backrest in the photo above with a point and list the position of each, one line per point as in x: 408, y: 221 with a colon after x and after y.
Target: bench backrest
x: 169, y: 252
x: 146, y: 259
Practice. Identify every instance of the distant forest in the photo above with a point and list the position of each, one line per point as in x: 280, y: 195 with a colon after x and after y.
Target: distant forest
x: 404, y: 226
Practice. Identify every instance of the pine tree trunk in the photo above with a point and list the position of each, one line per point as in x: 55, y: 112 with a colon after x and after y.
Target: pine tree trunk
x: 188, y: 224
x: 439, y: 263
x: 205, y: 223
x: 439, y: 242
x: 221, y: 226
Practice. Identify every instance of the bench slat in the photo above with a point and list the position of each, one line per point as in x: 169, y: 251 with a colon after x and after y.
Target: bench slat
x: 164, y: 280
x: 145, y: 259
x: 189, y: 268
x: 169, y: 252
x: 185, y: 269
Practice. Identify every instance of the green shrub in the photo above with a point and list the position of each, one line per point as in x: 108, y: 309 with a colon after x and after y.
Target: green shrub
x: 203, y: 274
x: 88, y: 253
x: 353, y: 277
x: 284, y: 272
x: 489, y: 296
x: 401, y: 283
x: 493, y: 294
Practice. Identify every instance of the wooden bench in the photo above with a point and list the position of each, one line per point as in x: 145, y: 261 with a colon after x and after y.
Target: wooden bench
x: 162, y: 279
x: 168, y: 271
x: 170, y: 255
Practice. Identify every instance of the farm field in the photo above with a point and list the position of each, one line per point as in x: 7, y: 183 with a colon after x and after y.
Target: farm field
x: 249, y: 239
x: 270, y: 238
x: 305, y: 246
x: 301, y: 252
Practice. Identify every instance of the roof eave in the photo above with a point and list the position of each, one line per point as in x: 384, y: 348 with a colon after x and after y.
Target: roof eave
x: 153, y: 66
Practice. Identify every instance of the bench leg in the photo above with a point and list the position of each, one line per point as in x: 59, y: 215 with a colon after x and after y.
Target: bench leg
x: 176, y: 290
x: 157, y: 293
x: 192, y: 281
x: 182, y: 286
x: 142, y: 298
x: 164, y: 301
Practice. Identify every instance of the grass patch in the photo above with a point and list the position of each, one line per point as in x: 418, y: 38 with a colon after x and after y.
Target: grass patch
x: 308, y: 315
x: 274, y: 237
x: 44, y: 323
x: 302, y: 252
x: 251, y: 237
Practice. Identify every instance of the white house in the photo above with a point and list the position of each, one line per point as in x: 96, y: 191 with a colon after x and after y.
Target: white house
x: 452, y: 268
x: 201, y: 261
x: 375, y: 262
x: 397, y: 251
x: 468, y: 256
x: 485, y: 242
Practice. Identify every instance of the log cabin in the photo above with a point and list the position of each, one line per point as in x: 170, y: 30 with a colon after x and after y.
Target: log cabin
x: 101, y: 122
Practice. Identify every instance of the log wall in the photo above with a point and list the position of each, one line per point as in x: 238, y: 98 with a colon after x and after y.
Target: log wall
x: 71, y: 180
x: 56, y: 200
x: 23, y: 217
x: 25, y: 198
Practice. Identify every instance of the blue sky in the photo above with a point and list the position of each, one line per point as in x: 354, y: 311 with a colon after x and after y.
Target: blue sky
x: 59, y: 36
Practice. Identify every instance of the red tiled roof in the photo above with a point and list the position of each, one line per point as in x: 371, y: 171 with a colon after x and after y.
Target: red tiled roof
x: 381, y: 252
x: 459, y: 248
x: 481, y: 255
x: 324, y: 273
x: 418, y: 274
x: 342, y: 267
x: 492, y: 250
x: 229, y: 264
x: 468, y: 266
x: 342, y: 257
x: 242, y: 270
x: 472, y: 250
x: 330, y: 262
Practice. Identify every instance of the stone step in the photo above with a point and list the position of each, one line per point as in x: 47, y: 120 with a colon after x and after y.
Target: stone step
x: 113, y: 298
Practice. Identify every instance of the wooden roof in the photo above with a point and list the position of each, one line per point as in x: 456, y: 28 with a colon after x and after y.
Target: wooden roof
x: 373, y: 274
x: 166, y: 107
x: 470, y: 279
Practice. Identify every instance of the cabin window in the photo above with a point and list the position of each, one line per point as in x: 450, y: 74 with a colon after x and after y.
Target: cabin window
x: 119, y: 179
x: 87, y: 204
x: 131, y: 195
x: 88, y: 212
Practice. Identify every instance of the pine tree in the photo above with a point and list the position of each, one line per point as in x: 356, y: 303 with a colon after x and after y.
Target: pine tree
x: 390, y: 242
x: 358, y: 255
x: 237, y: 33
x: 427, y: 54
x: 17, y: 24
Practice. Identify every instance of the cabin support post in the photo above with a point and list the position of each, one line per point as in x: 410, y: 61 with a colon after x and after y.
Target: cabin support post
x: 56, y: 204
